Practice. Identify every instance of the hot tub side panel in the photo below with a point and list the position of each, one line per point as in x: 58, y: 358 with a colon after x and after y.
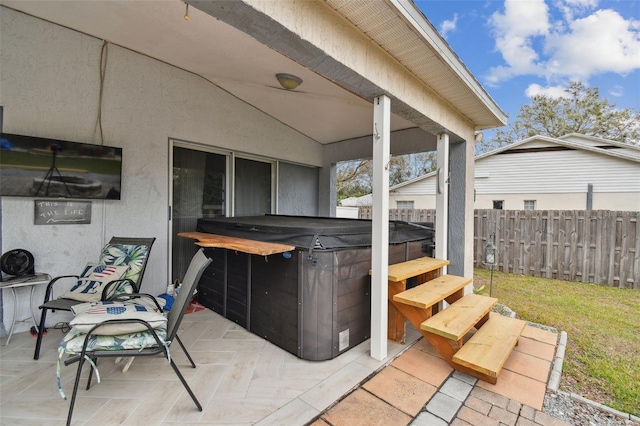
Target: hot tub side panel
x: 238, y: 278
x: 212, y: 288
x: 354, y: 299
x: 318, y: 303
x: 336, y: 298
x: 274, y: 300
x: 224, y: 288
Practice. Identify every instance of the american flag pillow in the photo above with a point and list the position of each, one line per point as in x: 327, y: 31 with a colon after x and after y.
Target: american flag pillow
x: 94, y: 277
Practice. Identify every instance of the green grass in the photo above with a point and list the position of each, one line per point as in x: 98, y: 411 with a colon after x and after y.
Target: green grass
x: 107, y: 166
x: 602, y: 360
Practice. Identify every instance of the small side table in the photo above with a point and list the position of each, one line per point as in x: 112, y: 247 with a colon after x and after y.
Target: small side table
x: 24, y: 281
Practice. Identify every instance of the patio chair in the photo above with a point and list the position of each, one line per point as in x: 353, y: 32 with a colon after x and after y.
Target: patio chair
x: 132, y: 253
x: 148, y: 342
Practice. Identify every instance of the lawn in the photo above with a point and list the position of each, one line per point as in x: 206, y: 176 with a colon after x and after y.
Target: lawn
x: 602, y: 361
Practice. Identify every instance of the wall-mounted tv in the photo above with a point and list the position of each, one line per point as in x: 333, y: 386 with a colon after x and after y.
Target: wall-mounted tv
x: 41, y: 167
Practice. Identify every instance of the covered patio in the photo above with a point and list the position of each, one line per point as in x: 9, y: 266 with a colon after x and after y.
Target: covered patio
x: 242, y: 379
x: 375, y: 80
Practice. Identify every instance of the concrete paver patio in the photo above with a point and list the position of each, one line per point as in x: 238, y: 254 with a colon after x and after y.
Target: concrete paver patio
x: 242, y: 379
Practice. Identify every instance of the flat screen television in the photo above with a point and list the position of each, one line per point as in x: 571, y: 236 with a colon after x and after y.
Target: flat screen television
x: 40, y: 167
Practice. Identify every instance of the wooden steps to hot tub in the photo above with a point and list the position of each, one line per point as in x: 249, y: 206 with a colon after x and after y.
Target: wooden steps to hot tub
x: 450, y: 331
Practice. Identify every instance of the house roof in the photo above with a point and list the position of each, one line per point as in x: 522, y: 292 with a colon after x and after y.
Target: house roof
x: 631, y: 152
x: 245, y: 65
x: 629, y: 148
x: 573, y: 144
x: 401, y: 29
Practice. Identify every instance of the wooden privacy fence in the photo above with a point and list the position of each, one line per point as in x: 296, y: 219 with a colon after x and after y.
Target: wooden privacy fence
x: 406, y: 215
x: 592, y: 246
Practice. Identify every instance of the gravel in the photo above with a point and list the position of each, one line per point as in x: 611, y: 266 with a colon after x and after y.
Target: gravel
x: 562, y: 406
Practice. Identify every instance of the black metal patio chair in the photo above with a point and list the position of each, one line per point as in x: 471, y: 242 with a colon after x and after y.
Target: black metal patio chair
x: 148, y: 342
x: 120, y: 251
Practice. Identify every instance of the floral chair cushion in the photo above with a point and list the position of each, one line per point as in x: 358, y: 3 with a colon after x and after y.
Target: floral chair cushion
x: 74, y: 339
x: 134, y: 256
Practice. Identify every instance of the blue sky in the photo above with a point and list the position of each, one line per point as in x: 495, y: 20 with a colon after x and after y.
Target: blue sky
x: 519, y: 48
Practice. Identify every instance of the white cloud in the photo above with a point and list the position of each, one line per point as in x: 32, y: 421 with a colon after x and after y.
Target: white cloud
x: 616, y: 91
x: 601, y: 42
x: 514, y: 31
x: 522, y: 19
x: 535, y: 40
x: 448, y: 26
x: 570, y: 7
x: 551, y: 91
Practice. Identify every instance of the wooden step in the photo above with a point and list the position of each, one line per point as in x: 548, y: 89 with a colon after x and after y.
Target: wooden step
x: 490, y: 347
x: 456, y: 321
x: 411, y: 268
x: 428, y: 294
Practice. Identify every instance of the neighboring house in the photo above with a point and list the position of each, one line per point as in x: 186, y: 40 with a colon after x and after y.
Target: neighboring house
x: 189, y: 100
x: 365, y: 200
x: 573, y: 172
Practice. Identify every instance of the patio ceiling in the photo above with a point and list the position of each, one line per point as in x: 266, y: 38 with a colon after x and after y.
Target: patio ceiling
x: 321, y: 108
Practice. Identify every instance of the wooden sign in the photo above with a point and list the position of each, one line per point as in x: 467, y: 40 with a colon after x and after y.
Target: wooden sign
x: 54, y: 212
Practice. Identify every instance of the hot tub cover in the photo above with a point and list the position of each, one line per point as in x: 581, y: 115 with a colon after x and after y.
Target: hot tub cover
x: 309, y: 232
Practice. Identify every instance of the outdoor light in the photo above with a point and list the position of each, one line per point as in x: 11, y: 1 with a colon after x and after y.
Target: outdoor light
x: 288, y: 81
x: 490, y: 258
x: 490, y: 254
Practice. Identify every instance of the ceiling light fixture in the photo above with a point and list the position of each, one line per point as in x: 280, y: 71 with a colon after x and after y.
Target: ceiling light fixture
x: 288, y: 81
x: 186, y: 11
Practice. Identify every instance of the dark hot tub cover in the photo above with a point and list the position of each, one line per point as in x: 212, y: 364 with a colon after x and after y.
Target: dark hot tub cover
x: 308, y: 232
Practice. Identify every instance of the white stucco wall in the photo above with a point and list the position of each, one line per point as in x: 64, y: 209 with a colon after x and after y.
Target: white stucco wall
x: 49, y: 86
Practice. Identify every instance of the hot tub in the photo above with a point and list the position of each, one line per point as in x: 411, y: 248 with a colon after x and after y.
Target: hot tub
x: 313, y: 301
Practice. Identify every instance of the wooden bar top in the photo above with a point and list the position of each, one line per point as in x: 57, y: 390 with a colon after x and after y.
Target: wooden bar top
x: 243, y: 245
x: 413, y: 268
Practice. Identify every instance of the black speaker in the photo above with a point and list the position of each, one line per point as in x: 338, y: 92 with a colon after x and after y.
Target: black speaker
x: 17, y: 262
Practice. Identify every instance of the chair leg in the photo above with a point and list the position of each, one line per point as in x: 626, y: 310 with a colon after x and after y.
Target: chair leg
x: 185, y: 351
x: 186, y: 386
x: 75, y: 390
x: 43, y: 317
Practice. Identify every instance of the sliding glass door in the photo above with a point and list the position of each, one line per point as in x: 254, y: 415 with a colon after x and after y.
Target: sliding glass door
x: 208, y: 183
x: 253, y: 187
x: 199, y: 184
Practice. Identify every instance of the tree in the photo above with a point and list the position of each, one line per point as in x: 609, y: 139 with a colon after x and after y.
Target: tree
x: 354, y: 178
x: 580, y: 111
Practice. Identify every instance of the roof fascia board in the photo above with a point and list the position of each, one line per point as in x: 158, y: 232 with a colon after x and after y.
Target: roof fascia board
x: 511, y: 146
x: 578, y: 145
x: 416, y: 19
x: 603, y: 140
x: 558, y: 141
x: 414, y: 180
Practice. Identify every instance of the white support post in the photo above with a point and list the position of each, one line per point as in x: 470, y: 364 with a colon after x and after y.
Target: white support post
x: 380, y: 223
x: 442, y: 198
